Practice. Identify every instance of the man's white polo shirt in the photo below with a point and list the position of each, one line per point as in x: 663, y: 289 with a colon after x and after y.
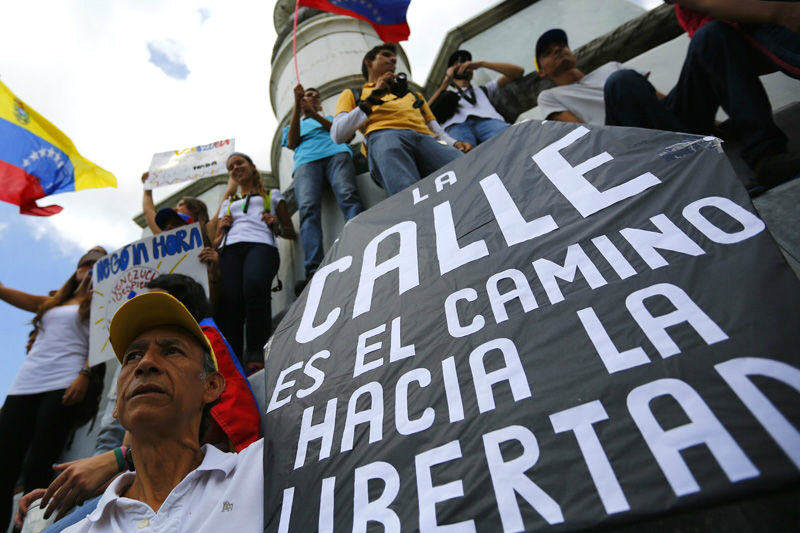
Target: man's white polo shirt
x: 224, y: 493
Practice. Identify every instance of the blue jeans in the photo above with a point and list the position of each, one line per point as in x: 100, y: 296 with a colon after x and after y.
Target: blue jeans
x: 78, y: 513
x: 476, y: 130
x: 400, y: 158
x: 338, y: 169
x: 720, y: 70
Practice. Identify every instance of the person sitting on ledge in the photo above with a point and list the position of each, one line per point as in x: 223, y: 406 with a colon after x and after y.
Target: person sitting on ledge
x: 715, y: 73
x: 468, y: 114
x: 400, y: 128
x: 168, y: 383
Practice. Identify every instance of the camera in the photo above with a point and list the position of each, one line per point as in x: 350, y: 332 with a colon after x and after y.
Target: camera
x: 399, y: 86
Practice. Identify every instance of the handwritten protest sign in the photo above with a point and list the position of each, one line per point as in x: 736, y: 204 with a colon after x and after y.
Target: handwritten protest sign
x: 123, y: 274
x: 568, y: 327
x: 189, y: 164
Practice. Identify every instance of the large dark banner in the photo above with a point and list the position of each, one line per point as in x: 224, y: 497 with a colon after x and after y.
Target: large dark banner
x: 566, y: 327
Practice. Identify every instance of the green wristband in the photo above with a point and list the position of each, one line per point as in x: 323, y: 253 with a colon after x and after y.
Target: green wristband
x: 120, y: 459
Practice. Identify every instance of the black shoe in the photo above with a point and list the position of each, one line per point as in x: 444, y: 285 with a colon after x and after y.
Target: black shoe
x: 772, y: 170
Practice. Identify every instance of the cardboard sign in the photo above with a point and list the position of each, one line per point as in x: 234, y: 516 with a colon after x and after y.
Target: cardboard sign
x: 568, y: 327
x: 189, y: 164
x: 123, y: 274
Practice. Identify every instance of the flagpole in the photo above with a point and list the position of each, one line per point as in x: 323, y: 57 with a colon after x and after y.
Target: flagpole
x: 294, y: 41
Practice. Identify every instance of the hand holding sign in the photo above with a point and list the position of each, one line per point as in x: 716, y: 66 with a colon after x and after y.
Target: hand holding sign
x: 124, y: 273
x: 188, y: 164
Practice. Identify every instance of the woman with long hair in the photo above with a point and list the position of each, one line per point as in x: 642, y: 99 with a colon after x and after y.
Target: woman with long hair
x: 43, y: 400
x: 245, y: 228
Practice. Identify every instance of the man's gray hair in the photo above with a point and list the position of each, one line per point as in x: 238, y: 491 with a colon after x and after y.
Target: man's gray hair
x: 208, y: 362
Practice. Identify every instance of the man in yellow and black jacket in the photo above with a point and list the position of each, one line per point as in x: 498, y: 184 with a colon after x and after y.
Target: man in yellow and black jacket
x: 402, y: 135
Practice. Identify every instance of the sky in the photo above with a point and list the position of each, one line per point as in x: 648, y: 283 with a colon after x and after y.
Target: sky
x: 125, y: 79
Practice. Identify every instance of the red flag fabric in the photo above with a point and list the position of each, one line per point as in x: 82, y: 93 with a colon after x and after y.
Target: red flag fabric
x: 237, y: 411
x: 388, y: 17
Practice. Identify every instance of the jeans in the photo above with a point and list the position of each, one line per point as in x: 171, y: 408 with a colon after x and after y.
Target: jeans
x: 719, y: 70
x: 338, y: 169
x: 78, y: 513
x: 400, y: 158
x: 37, y: 425
x: 476, y: 130
x: 247, y: 270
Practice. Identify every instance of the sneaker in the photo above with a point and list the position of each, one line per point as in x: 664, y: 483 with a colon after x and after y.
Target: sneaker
x: 772, y: 170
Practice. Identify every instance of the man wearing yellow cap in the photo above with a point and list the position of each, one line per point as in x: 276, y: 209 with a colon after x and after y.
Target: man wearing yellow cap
x: 167, y: 383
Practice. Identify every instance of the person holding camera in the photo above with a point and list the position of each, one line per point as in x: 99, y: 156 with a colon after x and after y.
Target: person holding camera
x: 465, y: 113
x: 400, y: 128
x: 317, y: 159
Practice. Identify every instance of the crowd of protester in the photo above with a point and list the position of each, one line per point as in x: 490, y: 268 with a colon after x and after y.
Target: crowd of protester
x: 192, y: 421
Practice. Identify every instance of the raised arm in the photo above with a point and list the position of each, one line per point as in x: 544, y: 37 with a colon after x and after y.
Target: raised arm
x: 293, y: 137
x: 510, y: 72
x: 149, y: 207
x: 448, y: 78
x: 749, y: 11
x: 21, y: 300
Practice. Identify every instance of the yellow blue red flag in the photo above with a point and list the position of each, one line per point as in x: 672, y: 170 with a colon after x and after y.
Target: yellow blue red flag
x: 37, y: 159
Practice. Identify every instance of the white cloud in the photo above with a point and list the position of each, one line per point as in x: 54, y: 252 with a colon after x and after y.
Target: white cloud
x: 3, y: 227
x: 204, y: 13
x: 168, y: 56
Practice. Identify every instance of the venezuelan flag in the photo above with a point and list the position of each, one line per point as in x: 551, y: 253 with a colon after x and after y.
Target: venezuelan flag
x: 388, y: 17
x: 37, y: 159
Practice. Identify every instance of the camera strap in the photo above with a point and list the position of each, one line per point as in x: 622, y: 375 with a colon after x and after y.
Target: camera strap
x: 468, y: 95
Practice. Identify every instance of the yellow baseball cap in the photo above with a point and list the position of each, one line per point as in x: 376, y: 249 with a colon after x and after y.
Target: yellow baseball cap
x: 148, y: 311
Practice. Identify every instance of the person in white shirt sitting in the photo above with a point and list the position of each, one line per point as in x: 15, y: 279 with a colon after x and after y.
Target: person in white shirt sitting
x: 466, y: 113
x: 166, y: 386
x: 579, y: 97
x: 717, y: 72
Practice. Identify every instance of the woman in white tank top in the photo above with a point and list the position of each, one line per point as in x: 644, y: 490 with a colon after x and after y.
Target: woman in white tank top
x: 39, y: 410
x: 245, y: 230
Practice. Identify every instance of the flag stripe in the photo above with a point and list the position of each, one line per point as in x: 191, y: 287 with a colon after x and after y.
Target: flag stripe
x: 36, y: 157
x: 388, y: 18
x: 20, y: 188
